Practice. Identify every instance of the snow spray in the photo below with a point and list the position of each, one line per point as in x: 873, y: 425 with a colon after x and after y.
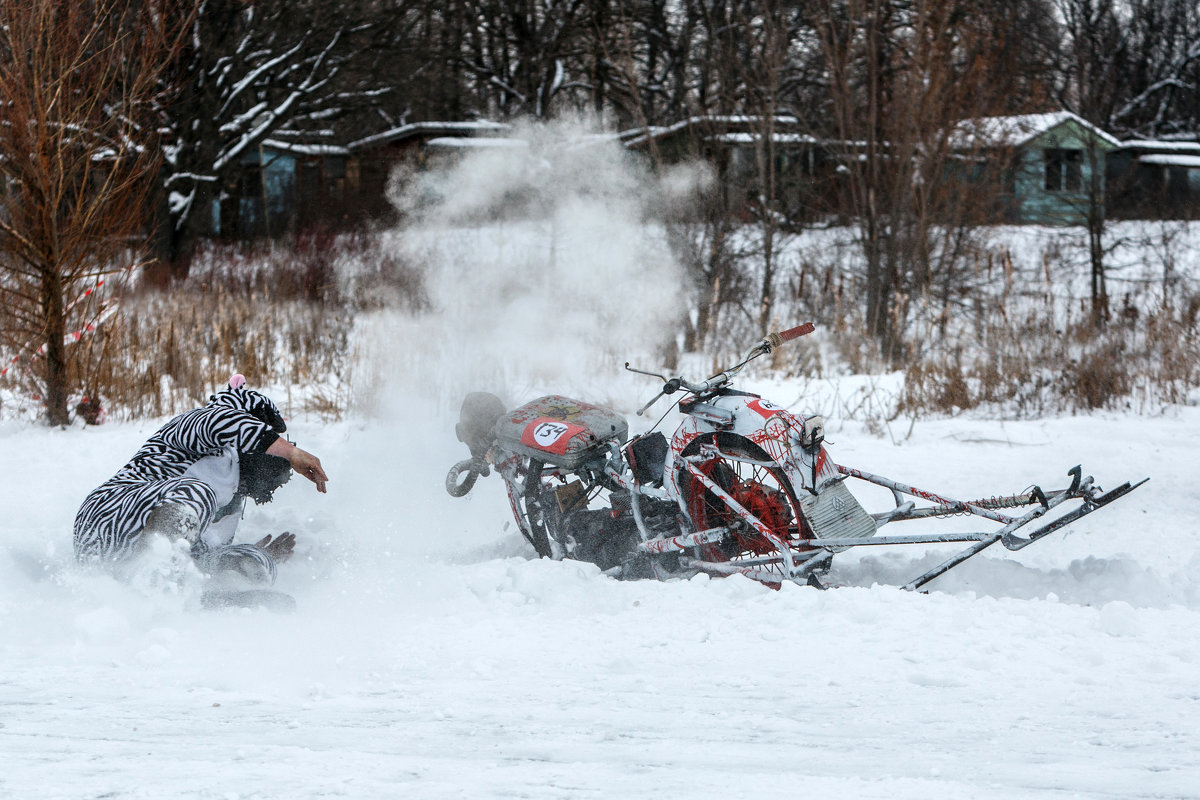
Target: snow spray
x: 544, y: 265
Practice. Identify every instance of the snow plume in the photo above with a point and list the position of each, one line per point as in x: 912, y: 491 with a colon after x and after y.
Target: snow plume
x: 542, y: 262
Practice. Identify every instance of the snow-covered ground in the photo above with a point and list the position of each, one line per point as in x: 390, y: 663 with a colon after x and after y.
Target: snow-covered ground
x: 431, y: 657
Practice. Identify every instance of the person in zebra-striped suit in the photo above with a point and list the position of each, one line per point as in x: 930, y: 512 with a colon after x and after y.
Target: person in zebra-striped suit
x: 190, y: 480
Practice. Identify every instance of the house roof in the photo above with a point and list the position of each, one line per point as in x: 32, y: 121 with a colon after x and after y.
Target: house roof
x: 306, y: 149
x: 1015, y: 131
x: 726, y: 123
x: 467, y: 143
x: 1171, y: 160
x: 781, y: 138
x: 1161, y: 146
x: 431, y: 129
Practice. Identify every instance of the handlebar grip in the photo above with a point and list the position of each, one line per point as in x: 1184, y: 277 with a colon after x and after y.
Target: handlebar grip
x: 796, y: 332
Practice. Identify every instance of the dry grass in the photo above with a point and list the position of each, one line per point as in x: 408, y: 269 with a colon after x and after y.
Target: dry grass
x: 283, y: 317
x: 1010, y: 343
x: 1139, y: 366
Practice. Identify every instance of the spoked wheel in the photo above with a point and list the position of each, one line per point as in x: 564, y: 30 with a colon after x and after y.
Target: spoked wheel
x: 764, y: 491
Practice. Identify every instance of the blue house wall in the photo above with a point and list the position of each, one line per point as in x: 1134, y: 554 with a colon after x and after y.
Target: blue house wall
x: 1052, y: 177
x: 267, y: 180
x: 278, y: 185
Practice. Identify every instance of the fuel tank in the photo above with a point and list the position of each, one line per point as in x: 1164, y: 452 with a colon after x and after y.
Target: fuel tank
x: 560, y: 431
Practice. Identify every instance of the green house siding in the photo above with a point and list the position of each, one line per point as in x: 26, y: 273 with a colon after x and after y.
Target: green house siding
x: 1052, y: 175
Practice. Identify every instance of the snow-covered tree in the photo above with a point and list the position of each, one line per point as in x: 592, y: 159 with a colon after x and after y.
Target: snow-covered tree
x: 255, y: 69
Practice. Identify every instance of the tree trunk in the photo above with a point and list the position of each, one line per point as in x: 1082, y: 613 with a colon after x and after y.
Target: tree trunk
x: 56, y: 383
x: 1099, y: 285
x: 767, y: 294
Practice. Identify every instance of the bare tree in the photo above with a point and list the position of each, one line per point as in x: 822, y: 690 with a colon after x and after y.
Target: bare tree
x: 902, y: 76
x: 761, y: 38
x: 1133, y: 66
x: 657, y: 43
x: 79, y: 85
x: 523, y: 55
x: 1109, y: 77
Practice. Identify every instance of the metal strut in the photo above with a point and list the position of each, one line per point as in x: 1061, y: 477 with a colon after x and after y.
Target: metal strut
x: 1080, y: 488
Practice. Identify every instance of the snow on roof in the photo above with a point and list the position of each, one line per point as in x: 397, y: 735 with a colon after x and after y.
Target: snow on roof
x: 594, y: 139
x: 306, y: 149
x: 644, y: 135
x: 418, y: 128
x: 1171, y: 160
x: 469, y: 143
x: 293, y: 133
x: 1014, y: 131
x: 1159, y: 144
x: 750, y: 138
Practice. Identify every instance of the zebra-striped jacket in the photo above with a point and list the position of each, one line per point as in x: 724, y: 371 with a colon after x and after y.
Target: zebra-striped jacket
x: 111, y: 517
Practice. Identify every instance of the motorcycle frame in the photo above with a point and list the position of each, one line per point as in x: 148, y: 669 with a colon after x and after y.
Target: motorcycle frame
x: 781, y: 435
x: 795, y: 448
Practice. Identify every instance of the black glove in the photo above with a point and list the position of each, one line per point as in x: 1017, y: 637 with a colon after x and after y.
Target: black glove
x: 281, y: 547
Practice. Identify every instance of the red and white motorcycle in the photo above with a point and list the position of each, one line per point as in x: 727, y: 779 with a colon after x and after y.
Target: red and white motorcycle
x: 742, y: 487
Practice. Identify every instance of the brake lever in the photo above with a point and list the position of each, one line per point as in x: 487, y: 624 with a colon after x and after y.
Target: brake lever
x: 644, y: 372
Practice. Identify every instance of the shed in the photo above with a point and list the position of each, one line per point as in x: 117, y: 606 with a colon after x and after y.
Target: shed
x: 1053, y: 164
x: 1155, y: 179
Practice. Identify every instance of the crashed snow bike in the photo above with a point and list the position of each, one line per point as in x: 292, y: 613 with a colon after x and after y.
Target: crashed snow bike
x: 742, y: 487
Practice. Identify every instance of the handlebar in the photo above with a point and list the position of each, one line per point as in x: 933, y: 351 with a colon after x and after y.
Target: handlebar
x: 769, y: 343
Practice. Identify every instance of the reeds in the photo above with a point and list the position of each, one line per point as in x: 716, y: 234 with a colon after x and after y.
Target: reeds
x: 283, y: 316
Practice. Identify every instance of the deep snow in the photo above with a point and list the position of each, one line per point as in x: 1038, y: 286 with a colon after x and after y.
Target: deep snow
x: 432, y: 657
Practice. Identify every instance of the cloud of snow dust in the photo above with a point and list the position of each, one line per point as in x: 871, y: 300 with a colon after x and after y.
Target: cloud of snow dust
x: 542, y: 263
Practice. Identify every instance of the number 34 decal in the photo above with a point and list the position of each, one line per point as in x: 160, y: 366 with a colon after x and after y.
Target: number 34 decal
x: 547, y: 433
x: 765, y: 408
x: 551, y: 435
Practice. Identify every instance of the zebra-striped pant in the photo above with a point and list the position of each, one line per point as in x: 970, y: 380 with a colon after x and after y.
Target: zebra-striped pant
x: 110, y: 522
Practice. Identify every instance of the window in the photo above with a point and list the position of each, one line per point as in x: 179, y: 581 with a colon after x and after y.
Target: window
x: 1063, y: 170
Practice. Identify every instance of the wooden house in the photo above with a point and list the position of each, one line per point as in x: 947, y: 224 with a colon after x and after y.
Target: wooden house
x: 293, y: 183
x: 1052, y: 165
x: 406, y: 148
x: 285, y: 186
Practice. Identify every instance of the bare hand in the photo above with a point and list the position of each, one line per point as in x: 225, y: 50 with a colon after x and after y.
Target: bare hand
x: 309, y: 466
x: 281, y: 547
